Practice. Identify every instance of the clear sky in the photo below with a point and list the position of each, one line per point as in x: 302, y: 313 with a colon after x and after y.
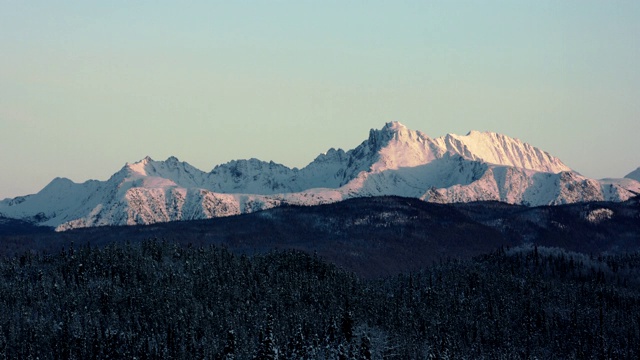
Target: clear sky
x: 86, y: 86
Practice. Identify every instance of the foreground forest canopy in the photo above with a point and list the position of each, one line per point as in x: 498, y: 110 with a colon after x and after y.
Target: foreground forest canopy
x: 159, y: 300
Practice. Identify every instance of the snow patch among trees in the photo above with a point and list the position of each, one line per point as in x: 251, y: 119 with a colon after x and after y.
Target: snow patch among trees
x: 599, y: 215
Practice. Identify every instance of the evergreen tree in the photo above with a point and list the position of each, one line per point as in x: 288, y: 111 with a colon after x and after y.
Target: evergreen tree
x: 365, y: 347
x: 346, y: 325
x: 229, y: 351
x: 267, y: 349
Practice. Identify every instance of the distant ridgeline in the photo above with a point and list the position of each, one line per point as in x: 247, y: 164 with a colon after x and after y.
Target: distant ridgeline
x: 480, y: 166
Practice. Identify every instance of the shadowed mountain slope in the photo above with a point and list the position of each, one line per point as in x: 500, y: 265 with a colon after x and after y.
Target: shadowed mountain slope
x: 380, y: 235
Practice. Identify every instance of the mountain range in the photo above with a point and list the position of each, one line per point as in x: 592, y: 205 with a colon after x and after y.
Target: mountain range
x: 394, y: 160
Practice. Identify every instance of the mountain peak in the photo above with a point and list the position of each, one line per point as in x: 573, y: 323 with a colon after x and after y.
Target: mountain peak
x: 394, y: 160
x: 138, y: 167
x: 395, y: 146
x: 393, y: 130
x: 172, y: 160
x: 635, y: 174
x: 394, y: 126
x: 477, y: 132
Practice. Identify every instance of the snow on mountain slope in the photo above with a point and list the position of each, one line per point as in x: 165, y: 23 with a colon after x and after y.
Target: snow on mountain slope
x: 328, y: 170
x: 252, y: 176
x: 616, y: 186
x: 59, y: 197
x: 399, y: 147
x: 521, y: 186
x: 172, y: 169
x: 453, y: 178
x: 501, y: 150
x: 391, y: 161
x: 635, y: 175
x: 413, y: 181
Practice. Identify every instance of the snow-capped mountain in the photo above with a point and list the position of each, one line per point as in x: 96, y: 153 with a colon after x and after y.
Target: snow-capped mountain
x: 392, y: 161
x: 500, y: 149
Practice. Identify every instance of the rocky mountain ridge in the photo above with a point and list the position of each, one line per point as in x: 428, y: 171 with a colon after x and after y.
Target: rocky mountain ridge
x: 392, y: 161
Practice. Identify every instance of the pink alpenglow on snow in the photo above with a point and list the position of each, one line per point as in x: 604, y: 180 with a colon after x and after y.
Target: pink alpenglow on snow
x: 393, y: 160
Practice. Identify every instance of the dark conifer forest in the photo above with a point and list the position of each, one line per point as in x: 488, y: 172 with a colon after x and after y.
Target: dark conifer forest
x: 160, y: 300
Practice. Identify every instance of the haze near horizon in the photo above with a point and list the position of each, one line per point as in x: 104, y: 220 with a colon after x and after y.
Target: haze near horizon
x: 86, y: 87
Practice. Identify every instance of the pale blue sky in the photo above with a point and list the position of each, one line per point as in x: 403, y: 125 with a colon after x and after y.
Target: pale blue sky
x: 86, y: 86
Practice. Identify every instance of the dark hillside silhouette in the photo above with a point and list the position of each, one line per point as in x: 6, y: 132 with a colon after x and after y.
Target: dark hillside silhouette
x: 380, y: 235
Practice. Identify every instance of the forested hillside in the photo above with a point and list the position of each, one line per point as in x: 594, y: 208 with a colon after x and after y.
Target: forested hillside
x: 376, y: 236
x: 158, y: 300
